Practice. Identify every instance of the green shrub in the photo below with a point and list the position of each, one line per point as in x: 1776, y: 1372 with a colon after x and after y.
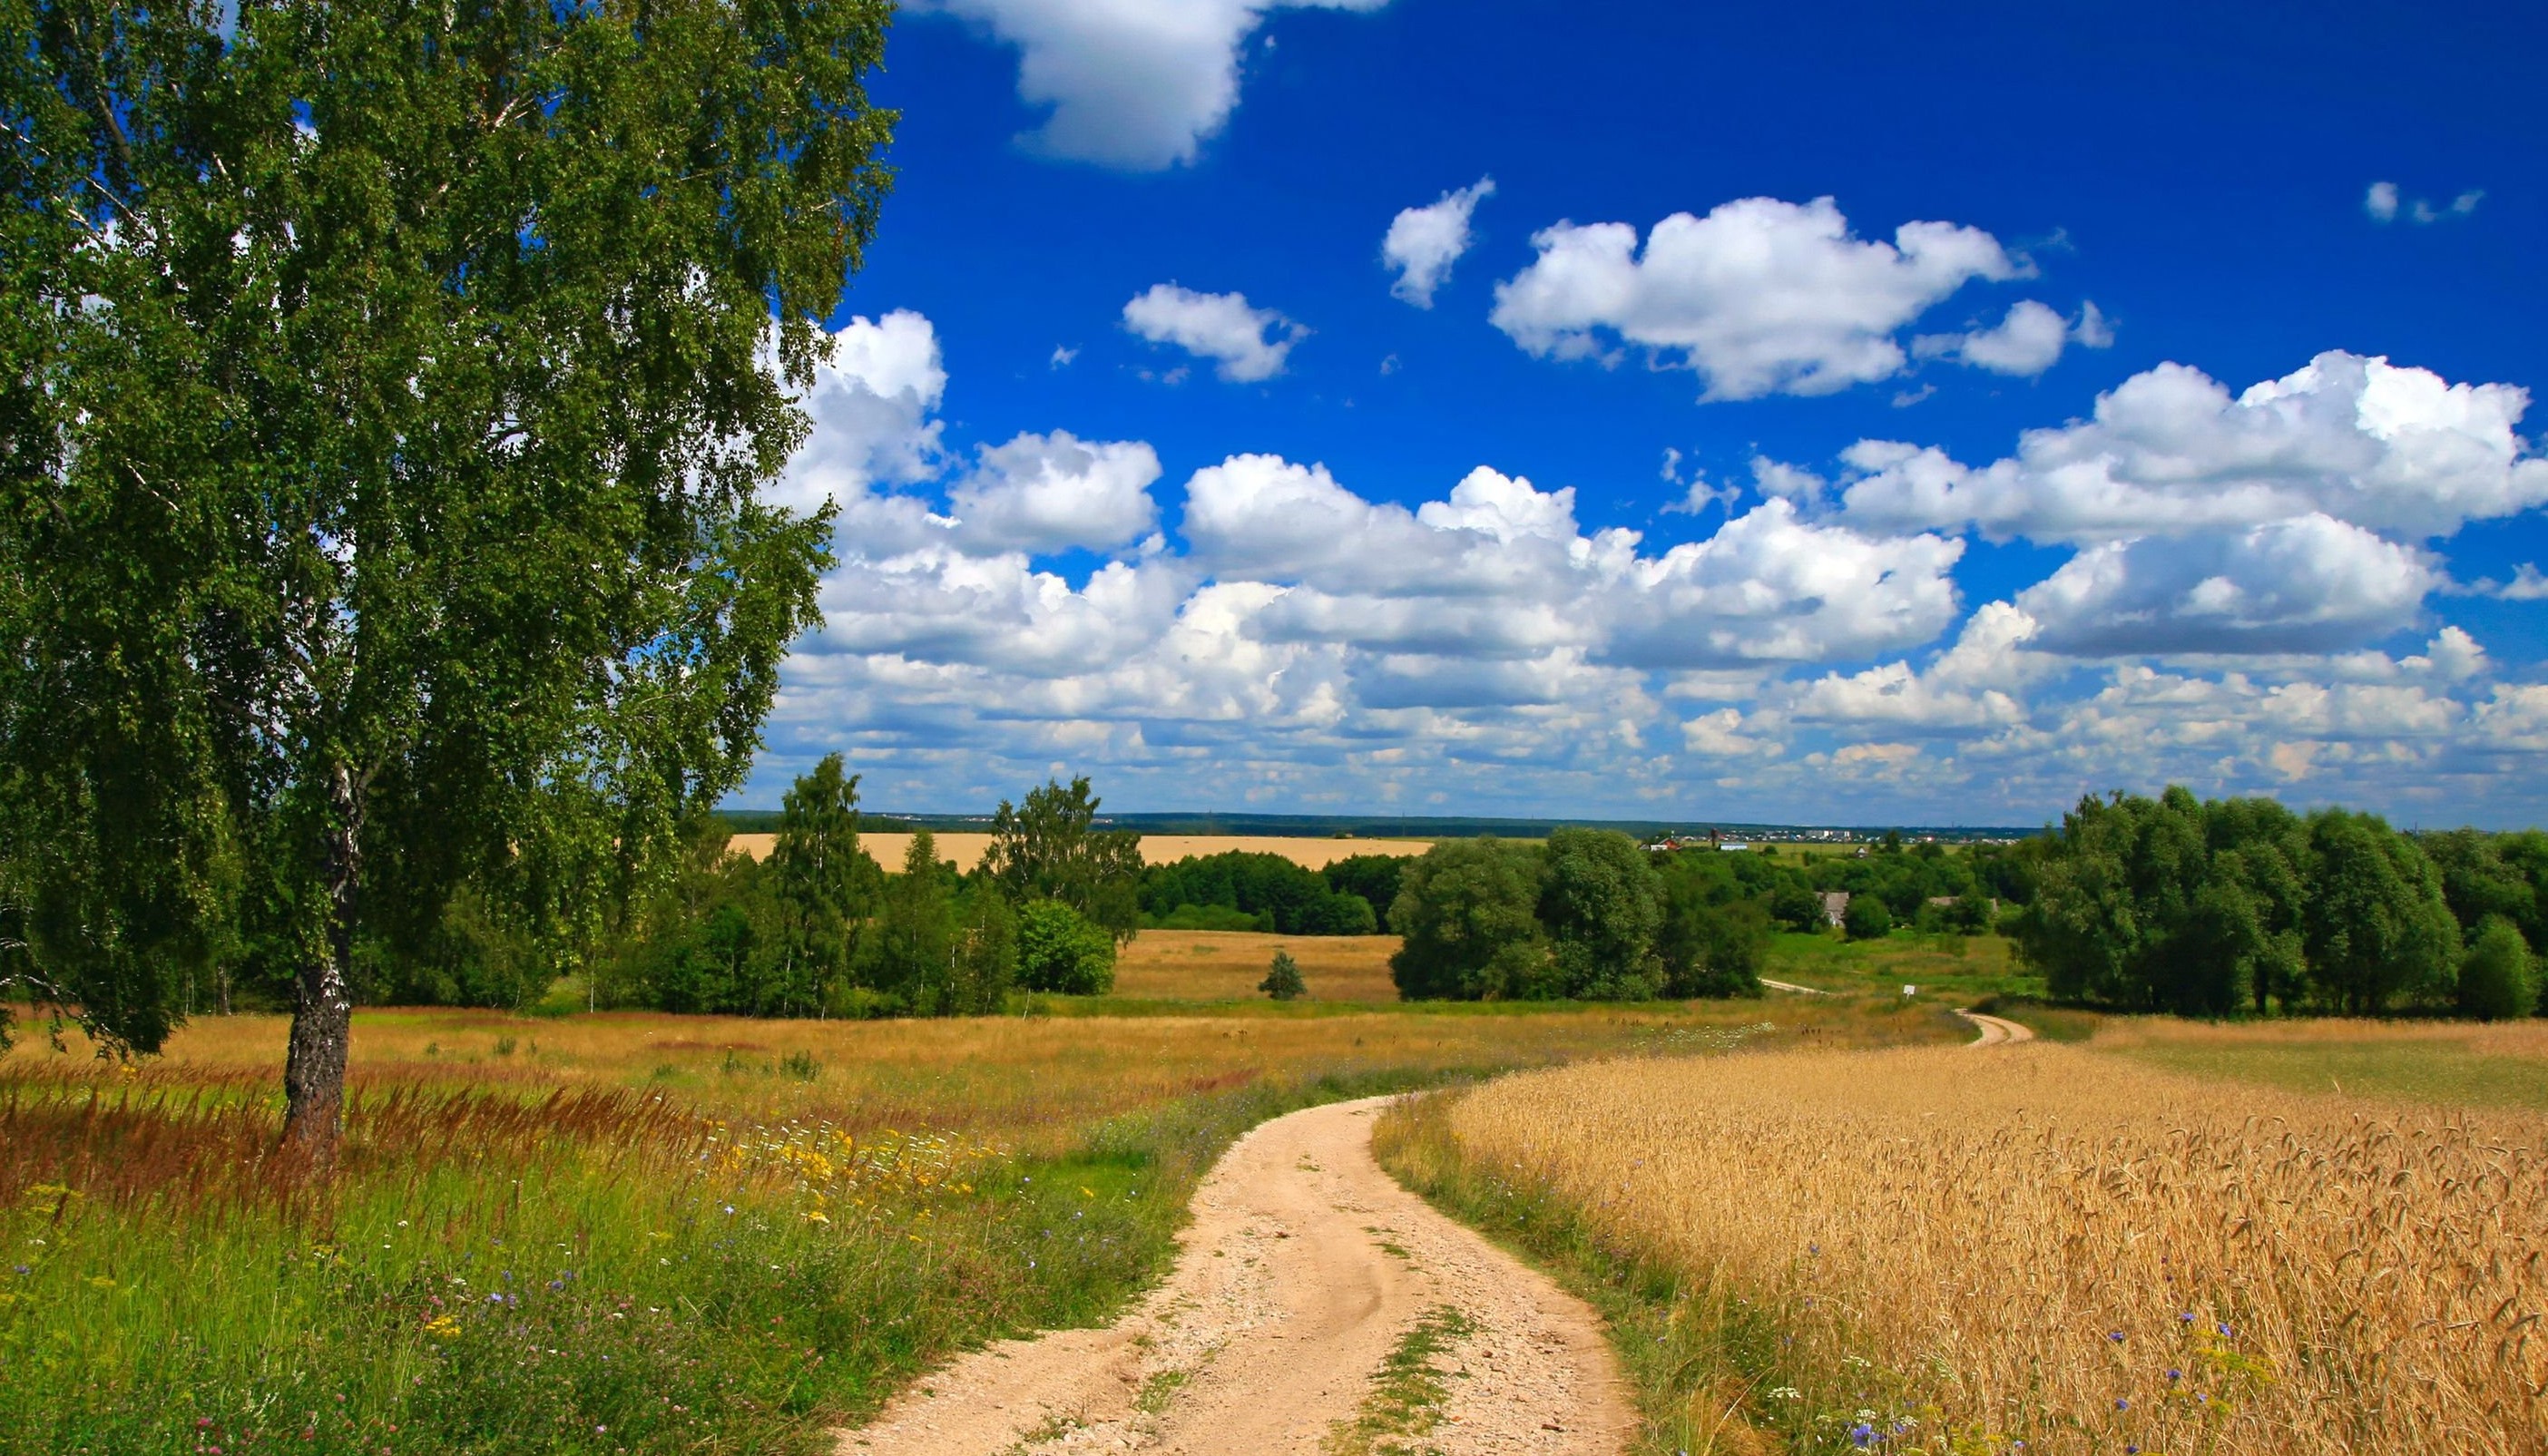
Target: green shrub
x: 1866, y: 919
x: 2497, y: 979
x: 1061, y: 951
x: 1283, y: 981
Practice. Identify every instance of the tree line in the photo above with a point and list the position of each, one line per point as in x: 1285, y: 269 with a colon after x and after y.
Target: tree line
x: 817, y: 928
x: 1244, y: 889
x: 2213, y: 907
x: 1588, y: 914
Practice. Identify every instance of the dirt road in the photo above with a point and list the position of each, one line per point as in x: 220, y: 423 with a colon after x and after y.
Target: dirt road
x: 1306, y: 1268
x: 1996, y: 1031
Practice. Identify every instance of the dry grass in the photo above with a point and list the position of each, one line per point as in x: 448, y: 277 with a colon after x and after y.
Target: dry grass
x: 2066, y: 1248
x: 1157, y: 848
x: 1033, y: 1082
x: 2443, y: 1063
x: 1224, y: 965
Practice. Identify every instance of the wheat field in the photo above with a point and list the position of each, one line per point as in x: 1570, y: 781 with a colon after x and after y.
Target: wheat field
x: 965, y: 850
x: 2056, y: 1247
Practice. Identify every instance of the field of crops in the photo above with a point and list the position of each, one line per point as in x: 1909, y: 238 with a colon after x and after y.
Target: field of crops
x: 1955, y: 1251
x: 965, y: 850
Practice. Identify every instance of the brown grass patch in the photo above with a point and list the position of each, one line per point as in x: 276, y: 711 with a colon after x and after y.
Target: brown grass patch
x: 1226, y: 966
x: 2050, y: 1244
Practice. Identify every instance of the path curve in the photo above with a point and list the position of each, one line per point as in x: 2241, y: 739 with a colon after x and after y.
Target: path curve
x: 1304, y: 1268
x: 1996, y: 1031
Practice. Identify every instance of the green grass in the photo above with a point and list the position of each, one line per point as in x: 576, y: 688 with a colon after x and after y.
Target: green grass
x: 1408, y: 1392
x: 555, y: 1303
x: 1961, y: 968
x: 2439, y: 1070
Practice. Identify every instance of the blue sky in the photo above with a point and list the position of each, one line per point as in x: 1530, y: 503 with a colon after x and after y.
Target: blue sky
x: 1830, y: 412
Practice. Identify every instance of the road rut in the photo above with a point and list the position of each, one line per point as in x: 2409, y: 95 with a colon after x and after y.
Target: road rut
x: 1305, y: 1266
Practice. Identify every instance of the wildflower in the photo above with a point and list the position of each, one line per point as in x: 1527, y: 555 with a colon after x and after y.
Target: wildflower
x: 2116, y: 1335
x: 23, y: 1269
x: 2121, y: 1405
x: 2226, y: 1332
x: 1862, y: 1435
x: 2175, y: 1374
x: 2186, y: 1319
x: 442, y: 1326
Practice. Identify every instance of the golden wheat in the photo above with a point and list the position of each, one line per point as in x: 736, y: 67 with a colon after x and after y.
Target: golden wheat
x: 2056, y: 1246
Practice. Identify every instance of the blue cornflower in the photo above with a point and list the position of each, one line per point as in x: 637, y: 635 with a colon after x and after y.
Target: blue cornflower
x: 2121, y: 1405
x: 2185, y: 1318
x: 2227, y: 1333
x: 2175, y: 1374
x: 1862, y: 1435
x: 2116, y: 1335
x: 23, y: 1269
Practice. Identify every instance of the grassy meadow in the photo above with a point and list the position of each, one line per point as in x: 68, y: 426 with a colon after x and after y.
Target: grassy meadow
x: 647, y: 1232
x: 2142, y: 1245
x: 1956, y: 969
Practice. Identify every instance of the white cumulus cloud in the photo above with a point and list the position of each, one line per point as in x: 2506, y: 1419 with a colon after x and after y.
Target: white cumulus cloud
x: 1134, y: 84
x: 2392, y: 449
x: 1247, y: 343
x: 1424, y: 242
x: 873, y: 410
x: 1044, y: 494
x: 2025, y: 343
x: 2383, y: 202
x: 1973, y: 684
x: 2307, y: 584
x: 1759, y: 297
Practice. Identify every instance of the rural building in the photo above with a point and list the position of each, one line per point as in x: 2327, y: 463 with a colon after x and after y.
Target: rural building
x: 1835, y: 905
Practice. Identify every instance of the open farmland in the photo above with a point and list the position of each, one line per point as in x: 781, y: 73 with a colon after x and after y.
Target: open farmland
x: 965, y: 850
x: 1959, y: 1250
x: 647, y: 1232
x: 1219, y: 965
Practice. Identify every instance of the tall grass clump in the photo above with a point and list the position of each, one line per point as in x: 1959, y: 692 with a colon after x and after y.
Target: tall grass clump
x: 1933, y: 1251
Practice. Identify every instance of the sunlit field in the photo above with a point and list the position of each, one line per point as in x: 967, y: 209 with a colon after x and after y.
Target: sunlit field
x: 2441, y: 1062
x: 965, y: 850
x: 647, y: 1232
x: 1960, y: 1251
x: 1216, y: 966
